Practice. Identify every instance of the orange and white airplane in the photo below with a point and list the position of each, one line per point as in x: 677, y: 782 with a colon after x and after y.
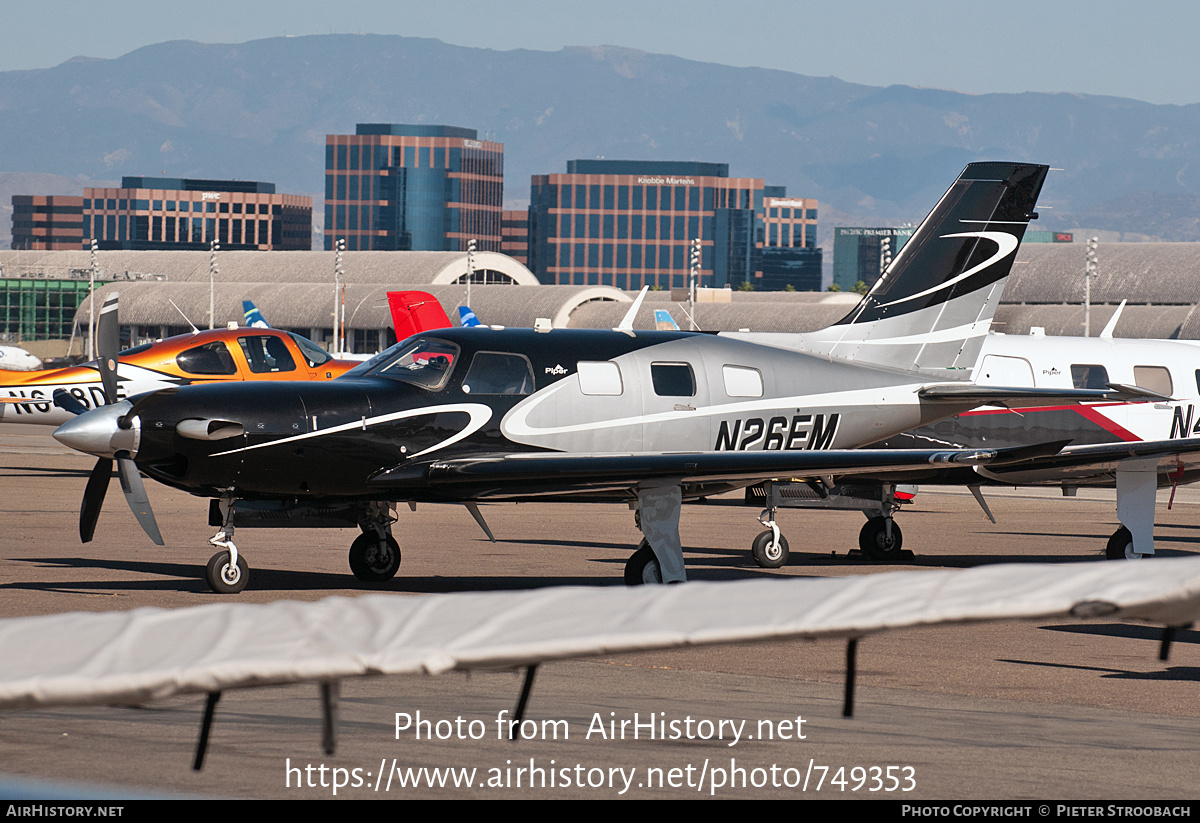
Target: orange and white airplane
x: 198, y: 357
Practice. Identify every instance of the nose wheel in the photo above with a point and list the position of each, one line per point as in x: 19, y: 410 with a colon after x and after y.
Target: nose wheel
x: 227, y: 571
x: 226, y: 576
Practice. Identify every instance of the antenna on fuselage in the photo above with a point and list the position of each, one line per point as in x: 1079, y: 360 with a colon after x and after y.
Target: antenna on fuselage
x: 185, y: 317
x: 626, y: 324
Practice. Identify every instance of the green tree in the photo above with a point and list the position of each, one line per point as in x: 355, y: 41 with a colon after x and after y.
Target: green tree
x: 860, y: 287
x: 746, y: 286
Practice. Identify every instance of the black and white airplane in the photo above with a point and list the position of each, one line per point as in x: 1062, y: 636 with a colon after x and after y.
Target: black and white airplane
x: 652, y: 418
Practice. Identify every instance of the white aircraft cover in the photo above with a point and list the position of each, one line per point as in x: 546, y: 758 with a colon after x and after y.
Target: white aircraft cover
x: 114, y: 657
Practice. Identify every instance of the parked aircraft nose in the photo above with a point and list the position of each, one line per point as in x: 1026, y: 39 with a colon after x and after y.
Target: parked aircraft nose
x: 102, y: 432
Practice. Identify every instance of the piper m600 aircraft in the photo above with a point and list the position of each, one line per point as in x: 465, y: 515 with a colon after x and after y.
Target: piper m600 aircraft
x: 201, y: 357
x: 649, y: 418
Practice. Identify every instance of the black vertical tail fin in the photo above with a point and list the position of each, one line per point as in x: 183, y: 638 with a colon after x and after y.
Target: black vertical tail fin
x: 929, y: 311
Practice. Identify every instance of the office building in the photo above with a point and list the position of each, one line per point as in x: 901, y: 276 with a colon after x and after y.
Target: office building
x: 514, y: 235
x: 394, y: 187
x: 47, y: 222
x: 629, y: 223
x: 861, y: 254
x: 172, y: 213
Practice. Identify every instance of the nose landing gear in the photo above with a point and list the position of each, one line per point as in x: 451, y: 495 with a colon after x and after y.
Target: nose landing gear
x: 226, y: 572
x: 375, y: 554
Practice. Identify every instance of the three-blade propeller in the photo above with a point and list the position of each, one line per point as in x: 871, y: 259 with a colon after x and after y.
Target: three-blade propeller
x: 107, y: 344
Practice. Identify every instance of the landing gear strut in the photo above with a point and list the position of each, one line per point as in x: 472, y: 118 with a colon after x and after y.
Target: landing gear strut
x: 375, y: 554
x: 226, y: 572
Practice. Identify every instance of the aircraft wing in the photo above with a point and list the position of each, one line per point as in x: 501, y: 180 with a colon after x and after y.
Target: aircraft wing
x: 1100, y: 460
x: 150, y: 653
x: 507, y: 472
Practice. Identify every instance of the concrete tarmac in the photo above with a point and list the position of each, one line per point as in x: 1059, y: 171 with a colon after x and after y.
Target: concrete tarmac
x: 1015, y: 710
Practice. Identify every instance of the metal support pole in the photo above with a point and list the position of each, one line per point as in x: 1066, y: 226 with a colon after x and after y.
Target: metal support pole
x: 210, y: 707
x: 329, y: 701
x: 851, y: 671
x: 519, y: 714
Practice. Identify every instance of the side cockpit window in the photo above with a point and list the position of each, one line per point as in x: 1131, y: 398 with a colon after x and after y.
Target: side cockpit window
x: 266, y: 354
x: 499, y: 373
x: 211, y: 358
x: 424, y: 361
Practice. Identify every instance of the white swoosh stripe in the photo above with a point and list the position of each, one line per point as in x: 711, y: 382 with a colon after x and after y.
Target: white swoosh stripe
x: 516, y: 424
x: 480, y: 415
x: 1007, y: 245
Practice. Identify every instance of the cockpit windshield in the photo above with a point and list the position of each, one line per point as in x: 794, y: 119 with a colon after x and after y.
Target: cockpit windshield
x: 314, y: 354
x: 422, y: 361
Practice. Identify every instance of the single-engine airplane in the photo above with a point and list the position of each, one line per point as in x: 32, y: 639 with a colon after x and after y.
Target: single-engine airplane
x: 650, y: 418
x: 217, y: 355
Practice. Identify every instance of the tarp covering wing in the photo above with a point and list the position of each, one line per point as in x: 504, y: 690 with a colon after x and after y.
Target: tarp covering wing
x: 136, y: 656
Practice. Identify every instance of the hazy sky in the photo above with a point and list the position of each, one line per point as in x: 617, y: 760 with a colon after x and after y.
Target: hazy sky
x: 1145, y: 50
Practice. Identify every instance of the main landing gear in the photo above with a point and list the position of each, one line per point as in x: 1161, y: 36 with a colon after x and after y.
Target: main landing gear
x: 642, y: 567
x: 1120, y: 546
x: 374, y: 554
x: 659, y: 557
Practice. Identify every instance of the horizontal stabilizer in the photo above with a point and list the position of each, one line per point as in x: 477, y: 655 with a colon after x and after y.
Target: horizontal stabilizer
x: 1008, y: 396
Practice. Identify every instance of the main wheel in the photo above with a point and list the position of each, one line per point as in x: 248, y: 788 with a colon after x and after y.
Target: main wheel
x: 1120, y: 546
x: 767, y: 553
x: 642, y: 567
x: 372, y: 562
x: 874, y: 542
x: 224, y: 577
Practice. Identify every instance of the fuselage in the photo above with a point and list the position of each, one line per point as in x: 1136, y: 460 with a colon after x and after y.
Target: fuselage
x: 456, y: 392
x: 1165, y: 367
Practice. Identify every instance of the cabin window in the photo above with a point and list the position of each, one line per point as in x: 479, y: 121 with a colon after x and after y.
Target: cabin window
x: 1089, y: 376
x: 673, y: 379
x: 1154, y: 378
x: 499, y: 373
x: 741, y: 381
x: 599, y: 378
x: 267, y: 354
x: 211, y: 358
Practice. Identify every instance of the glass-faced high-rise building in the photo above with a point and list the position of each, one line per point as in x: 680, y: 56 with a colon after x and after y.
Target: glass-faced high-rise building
x: 630, y: 223
x: 395, y: 187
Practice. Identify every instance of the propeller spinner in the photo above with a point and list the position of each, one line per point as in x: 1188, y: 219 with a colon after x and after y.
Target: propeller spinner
x: 109, y: 432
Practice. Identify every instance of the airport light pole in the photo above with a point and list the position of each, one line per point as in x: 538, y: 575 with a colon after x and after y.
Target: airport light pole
x: 1090, y: 270
x: 213, y: 246
x: 694, y: 277
x: 92, y: 304
x: 340, y: 246
x: 470, y: 268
